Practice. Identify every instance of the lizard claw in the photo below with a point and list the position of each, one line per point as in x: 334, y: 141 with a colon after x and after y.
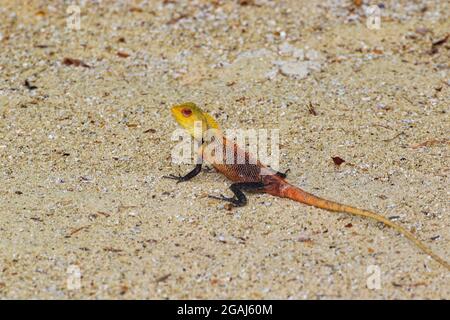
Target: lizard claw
x: 174, y: 177
x: 208, y: 169
x: 223, y: 198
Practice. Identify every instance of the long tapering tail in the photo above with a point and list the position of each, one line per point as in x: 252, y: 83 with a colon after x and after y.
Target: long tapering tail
x: 299, y: 195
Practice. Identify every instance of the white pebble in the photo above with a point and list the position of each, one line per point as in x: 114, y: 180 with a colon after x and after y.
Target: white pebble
x: 298, y: 70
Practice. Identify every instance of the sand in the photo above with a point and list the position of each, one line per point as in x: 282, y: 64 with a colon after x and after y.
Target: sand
x: 85, y: 212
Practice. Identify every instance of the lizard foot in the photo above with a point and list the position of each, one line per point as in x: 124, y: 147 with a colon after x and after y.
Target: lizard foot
x: 232, y: 200
x: 174, y: 177
x: 208, y: 169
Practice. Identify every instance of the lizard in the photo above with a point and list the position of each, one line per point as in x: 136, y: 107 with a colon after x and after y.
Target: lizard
x: 251, y: 175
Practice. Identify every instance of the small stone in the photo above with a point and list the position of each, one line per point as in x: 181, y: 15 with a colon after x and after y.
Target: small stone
x: 271, y: 74
x: 312, y: 55
x: 253, y: 54
x: 422, y: 30
x: 340, y: 91
x: 270, y: 38
x: 285, y: 49
x: 314, y: 66
x: 298, y: 53
x: 298, y: 70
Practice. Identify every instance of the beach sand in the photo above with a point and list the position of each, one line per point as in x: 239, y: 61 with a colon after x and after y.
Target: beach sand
x: 85, y: 212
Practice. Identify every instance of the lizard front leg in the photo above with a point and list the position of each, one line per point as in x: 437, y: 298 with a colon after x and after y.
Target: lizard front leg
x: 187, y: 176
x: 193, y: 172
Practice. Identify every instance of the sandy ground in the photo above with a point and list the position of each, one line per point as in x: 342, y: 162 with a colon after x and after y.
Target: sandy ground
x: 84, y: 146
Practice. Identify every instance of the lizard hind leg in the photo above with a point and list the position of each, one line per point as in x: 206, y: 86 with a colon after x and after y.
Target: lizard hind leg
x: 282, y: 174
x: 239, y: 199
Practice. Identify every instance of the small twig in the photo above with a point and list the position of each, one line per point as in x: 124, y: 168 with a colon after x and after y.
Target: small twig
x: 76, y: 231
x: 163, y: 278
x: 103, y: 213
x: 394, y: 137
x: 75, y: 62
x: 176, y: 19
x: 111, y: 249
x: 430, y: 143
x: 122, y: 208
x: 396, y: 284
x: 437, y: 43
x: 311, y: 109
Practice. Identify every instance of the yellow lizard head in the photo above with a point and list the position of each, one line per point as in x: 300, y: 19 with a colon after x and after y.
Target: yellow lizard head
x: 190, y: 117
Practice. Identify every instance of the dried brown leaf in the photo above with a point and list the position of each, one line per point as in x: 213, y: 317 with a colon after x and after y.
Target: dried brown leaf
x: 75, y: 62
x: 338, y: 160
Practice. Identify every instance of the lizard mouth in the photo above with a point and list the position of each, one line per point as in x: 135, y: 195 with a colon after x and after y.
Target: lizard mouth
x: 175, y: 112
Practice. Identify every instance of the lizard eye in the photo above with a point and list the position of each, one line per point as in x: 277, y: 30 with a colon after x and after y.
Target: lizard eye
x: 186, y: 112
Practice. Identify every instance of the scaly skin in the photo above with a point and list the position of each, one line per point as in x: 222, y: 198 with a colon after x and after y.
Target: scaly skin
x: 251, y: 175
